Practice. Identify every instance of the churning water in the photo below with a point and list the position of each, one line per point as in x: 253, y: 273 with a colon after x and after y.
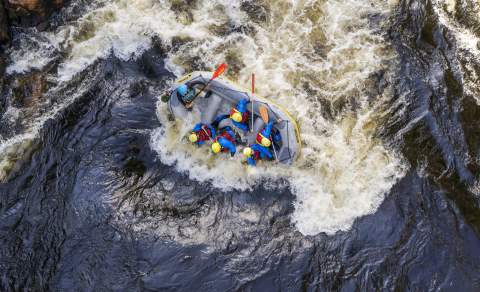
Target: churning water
x: 385, y: 93
x: 317, y: 58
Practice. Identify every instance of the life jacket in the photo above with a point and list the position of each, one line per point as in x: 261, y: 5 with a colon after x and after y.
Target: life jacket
x: 244, y: 114
x: 259, y: 138
x: 227, y: 136
x: 202, y: 134
x: 256, y: 155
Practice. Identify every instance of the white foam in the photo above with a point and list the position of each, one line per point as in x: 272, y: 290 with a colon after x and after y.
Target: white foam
x: 37, y: 50
x: 11, y: 152
x: 475, y: 189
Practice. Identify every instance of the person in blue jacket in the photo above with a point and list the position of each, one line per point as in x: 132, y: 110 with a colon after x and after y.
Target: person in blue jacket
x: 265, y: 135
x: 239, y: 114
x: 203, y: 132
x: 261, y: 149
x: 225, y: 142
x: 256, y: 152
x: 186, y: 95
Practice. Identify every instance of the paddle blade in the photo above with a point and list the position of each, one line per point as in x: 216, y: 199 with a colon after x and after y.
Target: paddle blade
x: 219, y: 70
x: 264, y: 114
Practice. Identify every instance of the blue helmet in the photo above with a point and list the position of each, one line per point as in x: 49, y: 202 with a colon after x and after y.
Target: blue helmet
x: 182, y: 90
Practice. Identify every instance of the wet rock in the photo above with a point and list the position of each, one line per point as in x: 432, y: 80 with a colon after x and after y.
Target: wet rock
x: 183, y: 9
x: 25, y: 13
x: 31, y: 12
x: 233, y: 58
x: 28, y: 90
x: 178, y: 41
x: 4, y: 30
x: 2, y: 68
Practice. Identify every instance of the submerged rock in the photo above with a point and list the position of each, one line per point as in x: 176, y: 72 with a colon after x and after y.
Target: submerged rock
x: 28, y: 89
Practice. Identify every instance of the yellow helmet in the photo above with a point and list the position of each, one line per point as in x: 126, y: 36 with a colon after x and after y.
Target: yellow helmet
x: 237, y: 117
x: 216, y: 147
x: 247, y: 151
x: 266, y: 142
x: 193, y: 137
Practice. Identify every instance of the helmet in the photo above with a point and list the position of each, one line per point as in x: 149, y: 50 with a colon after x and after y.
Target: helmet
x: 182, y: 90
x: 236, y: 116
x: 193, y: 137
x: 266, y: 142
x: 247, y: 151
x: 216, y: 147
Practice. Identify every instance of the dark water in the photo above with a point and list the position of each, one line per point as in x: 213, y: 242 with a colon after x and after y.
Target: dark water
x: 78, y: 215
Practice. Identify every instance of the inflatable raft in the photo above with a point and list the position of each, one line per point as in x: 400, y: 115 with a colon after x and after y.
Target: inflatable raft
x: 221, y: 95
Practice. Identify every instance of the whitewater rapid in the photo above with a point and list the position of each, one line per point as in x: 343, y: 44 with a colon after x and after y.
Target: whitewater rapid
x: 320, y: 59
x: 463, y: 27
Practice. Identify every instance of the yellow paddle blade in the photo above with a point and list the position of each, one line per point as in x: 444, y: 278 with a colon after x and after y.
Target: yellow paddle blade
x: 264, y: 114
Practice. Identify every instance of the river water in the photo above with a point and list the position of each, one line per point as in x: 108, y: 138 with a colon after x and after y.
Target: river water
x: 100, y: 192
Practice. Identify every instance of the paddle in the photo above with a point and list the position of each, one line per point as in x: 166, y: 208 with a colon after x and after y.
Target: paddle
x: 264, y: 114
x: 253, y: 92
x: 208, y: 135
x: 217, y: 73
x: 265, y: 118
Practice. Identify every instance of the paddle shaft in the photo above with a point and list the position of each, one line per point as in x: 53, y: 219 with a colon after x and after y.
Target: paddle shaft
x: 203, y: 88
x: 209, y: 137
x: 253, y: 91
x: 219, y: 71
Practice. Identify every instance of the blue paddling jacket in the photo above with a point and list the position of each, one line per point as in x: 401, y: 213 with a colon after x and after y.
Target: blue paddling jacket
x: 267, y: 133
x: 241, y: 108
x: 207, y: 132
x: 259, y: 152
x: 226, y: 139
x: 204, y: 133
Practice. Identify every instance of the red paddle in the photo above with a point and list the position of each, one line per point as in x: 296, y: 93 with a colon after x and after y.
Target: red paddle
x: 219, y: 71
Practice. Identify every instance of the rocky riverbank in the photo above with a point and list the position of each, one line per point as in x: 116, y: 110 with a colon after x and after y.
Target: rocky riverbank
x: 23, y: 13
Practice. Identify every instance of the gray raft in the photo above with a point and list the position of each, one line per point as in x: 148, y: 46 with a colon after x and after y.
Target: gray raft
x: 223, y: 95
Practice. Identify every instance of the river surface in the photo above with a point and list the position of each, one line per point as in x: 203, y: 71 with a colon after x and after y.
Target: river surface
x: 100, y: 192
